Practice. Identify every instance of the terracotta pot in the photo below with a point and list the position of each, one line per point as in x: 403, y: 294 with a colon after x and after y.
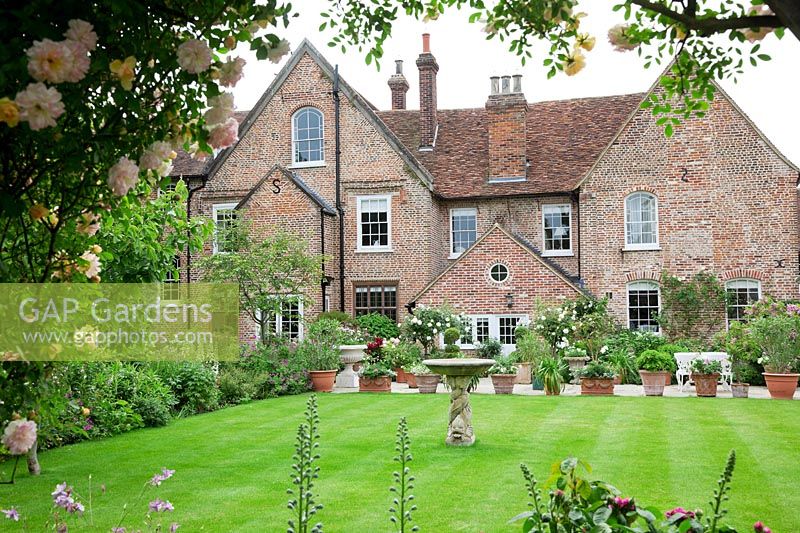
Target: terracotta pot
x: 322, y: 380
x: 667, y: 379
x: 503, y: 383
x: 781, y: 386
x: 597, y: 386
x: 653, y: 382
x: 411, y: 379
x: 523, y: 373
x: 553, y: 392
x: 617, y: 380
x: 427, y: 383
x: 705, y: 384
x: 740, y: 390
x: 379, y: 384
x: 401, y: 375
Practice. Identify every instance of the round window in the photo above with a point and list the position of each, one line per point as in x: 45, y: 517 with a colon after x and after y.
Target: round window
x: 498, y: 272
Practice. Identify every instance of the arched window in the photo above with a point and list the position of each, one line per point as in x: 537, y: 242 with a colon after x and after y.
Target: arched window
x: 307, y: 142
x: 643, y: 305
x: 741, y: 294
x: 641, y: 221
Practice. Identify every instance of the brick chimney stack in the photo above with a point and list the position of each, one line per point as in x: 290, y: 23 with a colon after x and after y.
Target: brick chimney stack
x: 507, y: 112
x: 398, y: 86
x: 428, y: 68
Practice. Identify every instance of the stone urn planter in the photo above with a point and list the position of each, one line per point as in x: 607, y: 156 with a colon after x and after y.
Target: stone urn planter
x: 379, y: 384
x: 653, y: 382
x: 401, y: 375
x: 597, y: 386
x: 350, y: 354
x: 781, y: 386
x: 523, y: 373
x: 427, y: 383
x: 322, y: 380
x: 503, y: 383
x: 740, y: 390
x: 411, y: 379
x: 705, y: 384
x: 575, y: 364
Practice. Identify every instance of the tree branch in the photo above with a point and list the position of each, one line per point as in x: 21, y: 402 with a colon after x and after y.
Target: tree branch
x: 711, y: 25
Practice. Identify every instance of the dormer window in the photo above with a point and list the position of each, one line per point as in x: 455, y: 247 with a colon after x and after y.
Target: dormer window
x: 307, y: 138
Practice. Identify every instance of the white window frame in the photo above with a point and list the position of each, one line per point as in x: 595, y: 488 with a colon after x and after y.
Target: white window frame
x: 556, y: 253
x: 214, y: 209
x: 494, y: 329
x: 461, y: 211
x: 369, y: 249
x: 491, y: 277
x: 646, y: 246
x: 728, y: 285
x: 628, y: 303
x: 279, y: 321
x: 307, y: 164
x: 171, y: 282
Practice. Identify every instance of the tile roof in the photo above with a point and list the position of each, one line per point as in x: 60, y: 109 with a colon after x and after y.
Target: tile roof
x: 297, y: 180
x: 565, y: 137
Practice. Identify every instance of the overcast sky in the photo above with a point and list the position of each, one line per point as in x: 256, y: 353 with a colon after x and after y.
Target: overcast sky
x: 769, y: 94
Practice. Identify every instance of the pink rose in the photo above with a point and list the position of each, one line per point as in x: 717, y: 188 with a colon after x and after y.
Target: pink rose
x: 49, y: 60
x: 91, y: 269
x: 123, y: 176
x: 82, y: 32
x: 194, y: 56
x: 225, y: 134
x: 231, y: 72
x: 80, y: 62
x: 39, y: 105
x: 19, y: 436
x: 88, y: 224
x: 618, y: 37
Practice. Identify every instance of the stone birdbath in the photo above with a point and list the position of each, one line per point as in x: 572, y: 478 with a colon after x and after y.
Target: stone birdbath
x: 349, y: 354
x: 458, y: 373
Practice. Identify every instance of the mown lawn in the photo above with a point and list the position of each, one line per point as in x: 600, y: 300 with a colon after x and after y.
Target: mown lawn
x: 233, y: 465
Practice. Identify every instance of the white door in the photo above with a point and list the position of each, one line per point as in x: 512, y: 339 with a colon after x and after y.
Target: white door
x: 499, y: 327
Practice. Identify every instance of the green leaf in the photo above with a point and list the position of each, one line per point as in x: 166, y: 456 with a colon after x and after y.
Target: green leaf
x: 668, y: 130
x: 601, y: 515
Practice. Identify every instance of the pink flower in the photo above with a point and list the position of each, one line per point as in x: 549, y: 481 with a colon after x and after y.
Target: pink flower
x: 759, y: 527
x: 221, y: 109
x: 11, y: 514
x: 158, y: 505
x: 276, y: 53
x: 165, y: 474
x: 756, y: 34
x: 82, y: 32
x: 231, y: 72
x: 88, y: 224
x: 39, y: 105
x: 80, y: 62
x: 49, y: 60
x: 679, y: 511
x: 123, y: 176
x: 194, y: 56
x: 174, y: 527
x: 618, y: 37
x: 92, y: 268
x: 19, y: 436
x: 225, y: 134
x: 62, y: 497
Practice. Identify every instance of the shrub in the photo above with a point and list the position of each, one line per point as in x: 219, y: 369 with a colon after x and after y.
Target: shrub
x: 339, y: 316
x: 399, y: 354
x: 490, y: 349
x: 451, y: 335
x: 531, y: 348
x: 154, y: 412
x: 623, y: 364
x: 743, y: 353
x: 503, y: 365
x: 315, y: 356
x: 425, y: 325
x: 656, y: 361
x: 378, y: 325
x: 634, y: 342
x: 596, y: 369
x: 236, y: 385
x: 194, y: 385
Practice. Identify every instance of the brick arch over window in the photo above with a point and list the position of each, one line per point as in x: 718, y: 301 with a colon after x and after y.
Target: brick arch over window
x: 649, y: 190
x: 742, y: 273
x: 643, y: 276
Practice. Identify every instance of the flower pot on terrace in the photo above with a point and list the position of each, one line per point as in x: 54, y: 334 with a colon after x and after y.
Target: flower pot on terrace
x: 549, y: 392
x: 427, y: 383
x: 597, y: 386
x: 575, y: 364
x: 523, y: 373
x: 503, y: 383
x: 653, y: 382
x: 740, y: 390
x: 378, y: 384
x: 411, y: 379
x: 401, y: 375
x: 781, y: 386
x: 322, y: 380
x: 705, y: 384
x: 536, y: 384
x: 617, y: 380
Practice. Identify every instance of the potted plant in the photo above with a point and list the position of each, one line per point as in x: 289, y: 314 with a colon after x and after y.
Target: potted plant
x: 407, y: 356
x: 321, y: 361
x: 427, y: 382
x: 490, y: 349
x: 503, y: 374
x: 705, y: 375
x: 576, y: 357
x: 622, y: 363
x: 530, y: 349
x: 375, y: 377
x: 352, y: 348
x: 655, y: 368
x: 778, y: 338
x: 551, y: 373
x: 597, y: 379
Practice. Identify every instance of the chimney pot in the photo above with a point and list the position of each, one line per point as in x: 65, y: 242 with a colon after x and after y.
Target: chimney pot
x: 426, y: 43
x: 494, y: 82
x: 506, y: 84
x: 517, y: 83
x: 398, y: 66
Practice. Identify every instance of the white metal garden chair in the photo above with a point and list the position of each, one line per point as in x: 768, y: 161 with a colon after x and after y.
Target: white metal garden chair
x: 726, y: 376
x: 684, y: 372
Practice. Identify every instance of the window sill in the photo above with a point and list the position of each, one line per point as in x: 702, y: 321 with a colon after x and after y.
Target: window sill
x: 654, y: 248
x: 560, y: 253
x: 308, y: 164
x: 455, y: 256
x: 374, y: 250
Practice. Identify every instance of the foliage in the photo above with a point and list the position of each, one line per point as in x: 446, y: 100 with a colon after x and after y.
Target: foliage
x: 634, y: 342
x: 576, y: 503
x: 556, y: 325
x: 575, y: 351
x: 425, y: 325
x: 551, y: 373
x: 596, y: 369
x: 623, y: 364
x: 325, y: 332
x: 691, y: 307
x: 376, y: 370
x: 451, y: 335
x: 317, y: 356
x: 503, y: 365
x: 593, y: 325
x: 778, y: 339
x: 417, y: 368
x: 401, y: 509
x: 270, y: 272
x: 402, y: 354
x: 265, y: 371
x: 339, y: 316
x: 656, y: 361
x: 491, y: 348
x: 194, y: 385
x: 374, y: 351
x: 743, y: 353
x: 304, y: 471
x: 143, y: 235
x: 531, y: 348
x: 704, y: 366
x: 378, y: 325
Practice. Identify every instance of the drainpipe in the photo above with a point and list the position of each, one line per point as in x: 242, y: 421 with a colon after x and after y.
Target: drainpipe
x: 339, y: 208
x: 324, y: 281
x: 576, y: 195
x: 188, y: 217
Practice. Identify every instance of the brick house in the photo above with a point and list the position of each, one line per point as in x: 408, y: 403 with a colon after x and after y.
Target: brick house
x: 496, y: 209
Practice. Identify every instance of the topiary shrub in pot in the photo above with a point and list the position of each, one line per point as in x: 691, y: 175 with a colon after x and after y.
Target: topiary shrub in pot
x: 321, y: 361
x: 597, y: 379
x: 503, y: 374
x: 705, y: 374
x: 655, y: 367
